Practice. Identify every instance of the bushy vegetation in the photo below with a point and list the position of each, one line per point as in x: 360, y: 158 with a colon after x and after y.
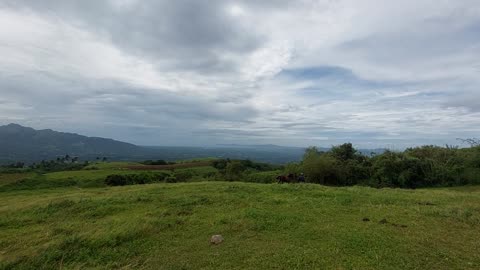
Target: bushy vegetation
x: 425, y: 166
x: 64, y: 163
x: 267, y: 177
x: 135, y: 179
x: 342, y: 165
x: 157, y: 162
x: 245, y: 170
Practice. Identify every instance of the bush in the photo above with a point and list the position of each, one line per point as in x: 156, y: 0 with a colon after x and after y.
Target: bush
x: 322, y: 169
x: 171, y: 179
x: 135, y: 179
x: 184, y: 175
x: 262, y: 177
x: 155, y: 162
x: 116, y: 180
x: 424, y: 166
x: 234, y: 170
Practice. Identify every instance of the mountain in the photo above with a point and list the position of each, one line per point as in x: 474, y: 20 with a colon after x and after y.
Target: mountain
x: 19, y: 143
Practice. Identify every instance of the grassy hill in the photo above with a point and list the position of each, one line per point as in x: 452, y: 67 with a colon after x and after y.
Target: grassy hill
x: 265, y: 226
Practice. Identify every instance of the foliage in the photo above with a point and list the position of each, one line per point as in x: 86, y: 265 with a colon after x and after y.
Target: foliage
x: 322, y: 169
x: 262, y: 177
x: 155, y: 162
x: 66, y: 163
x: 424, y: 166
x: 234, y: 170
x: 135, y: 179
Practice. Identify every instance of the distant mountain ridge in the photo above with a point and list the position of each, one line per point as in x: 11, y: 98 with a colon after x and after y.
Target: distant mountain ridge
x: 19, y: 143
x: 25, y: 144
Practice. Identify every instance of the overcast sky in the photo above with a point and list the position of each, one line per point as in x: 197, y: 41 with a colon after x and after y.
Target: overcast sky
x: 309, y: 72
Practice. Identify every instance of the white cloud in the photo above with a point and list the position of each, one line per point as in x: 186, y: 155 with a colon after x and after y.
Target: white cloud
x: 403, y: 71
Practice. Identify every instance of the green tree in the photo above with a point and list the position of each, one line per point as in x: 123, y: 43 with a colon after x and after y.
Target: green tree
x: 322, y: 169
x: 344, y: 152
x: 234, y: 170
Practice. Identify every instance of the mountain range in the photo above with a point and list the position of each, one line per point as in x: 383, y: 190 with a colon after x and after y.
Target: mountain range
x: 19, y: 143
x: 25, y: 144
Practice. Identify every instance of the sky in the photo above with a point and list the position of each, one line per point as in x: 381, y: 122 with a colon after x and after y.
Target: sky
x: 377, y: 73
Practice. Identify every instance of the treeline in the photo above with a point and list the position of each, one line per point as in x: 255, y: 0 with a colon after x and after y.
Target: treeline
x: 64, y: 163
x: 157, y: 162
x: 426, y: 166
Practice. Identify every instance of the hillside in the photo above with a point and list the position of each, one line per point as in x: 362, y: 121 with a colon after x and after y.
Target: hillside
x: 19, y: 143
x: 168, y: 226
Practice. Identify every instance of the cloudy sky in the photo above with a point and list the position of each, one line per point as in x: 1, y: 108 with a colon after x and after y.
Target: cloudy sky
x: 188, y: 72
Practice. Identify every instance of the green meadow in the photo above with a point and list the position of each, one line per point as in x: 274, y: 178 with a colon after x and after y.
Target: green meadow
x: 71, y: 220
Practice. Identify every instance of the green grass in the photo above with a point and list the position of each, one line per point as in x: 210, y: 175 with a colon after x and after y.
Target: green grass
x: 10, y: 178
x: 168, y: 226
x: 116, y: 165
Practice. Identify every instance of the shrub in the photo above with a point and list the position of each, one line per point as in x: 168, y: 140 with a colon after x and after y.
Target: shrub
x: 135, y: 179
x: 293, y: 168
x: 322, y: 169
x: 116, y: 180
x: 171, y: 179
x: 262, y: 177
x: 234, y: 170
x: 155, y: 162
x: 184, y: 175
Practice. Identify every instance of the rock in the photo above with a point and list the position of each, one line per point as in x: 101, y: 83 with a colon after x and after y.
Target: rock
x: 216, y: 239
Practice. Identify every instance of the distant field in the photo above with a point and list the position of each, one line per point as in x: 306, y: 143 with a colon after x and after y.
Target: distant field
x: 168, y: 226
x: 168, y: 167
x: 94, y: 175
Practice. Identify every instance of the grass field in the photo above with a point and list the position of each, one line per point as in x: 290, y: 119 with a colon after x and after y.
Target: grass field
x: 168, y: 226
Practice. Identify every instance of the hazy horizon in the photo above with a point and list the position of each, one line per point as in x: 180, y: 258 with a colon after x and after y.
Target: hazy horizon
x: 379, y: 74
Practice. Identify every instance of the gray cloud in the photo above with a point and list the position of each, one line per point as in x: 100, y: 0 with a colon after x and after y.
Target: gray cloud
x: 182, y: 34
x: 287, y: 72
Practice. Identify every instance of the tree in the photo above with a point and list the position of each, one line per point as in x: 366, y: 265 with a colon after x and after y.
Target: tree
x: 344, y: 152
x: 234, y: 170
x: 473, y: 142
x: 311, y: 150
x: 293, y: 168
x: 322, y: 168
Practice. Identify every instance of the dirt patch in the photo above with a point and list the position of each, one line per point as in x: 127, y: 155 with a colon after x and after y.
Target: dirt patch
x: 426, y: 203
x: 385, y: 221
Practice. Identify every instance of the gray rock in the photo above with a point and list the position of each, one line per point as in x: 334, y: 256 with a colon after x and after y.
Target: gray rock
x: 216, y: 239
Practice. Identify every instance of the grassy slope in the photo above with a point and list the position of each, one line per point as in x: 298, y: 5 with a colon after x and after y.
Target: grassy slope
x: 92, y: 176
x: 167, y: 226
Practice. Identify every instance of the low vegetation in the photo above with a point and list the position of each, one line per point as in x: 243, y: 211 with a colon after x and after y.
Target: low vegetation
x: 112, y: 215
x: 427, y: 166
x: 168, y: 226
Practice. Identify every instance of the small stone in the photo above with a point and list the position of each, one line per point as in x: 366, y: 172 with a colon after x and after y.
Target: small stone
x: 216, y: 239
